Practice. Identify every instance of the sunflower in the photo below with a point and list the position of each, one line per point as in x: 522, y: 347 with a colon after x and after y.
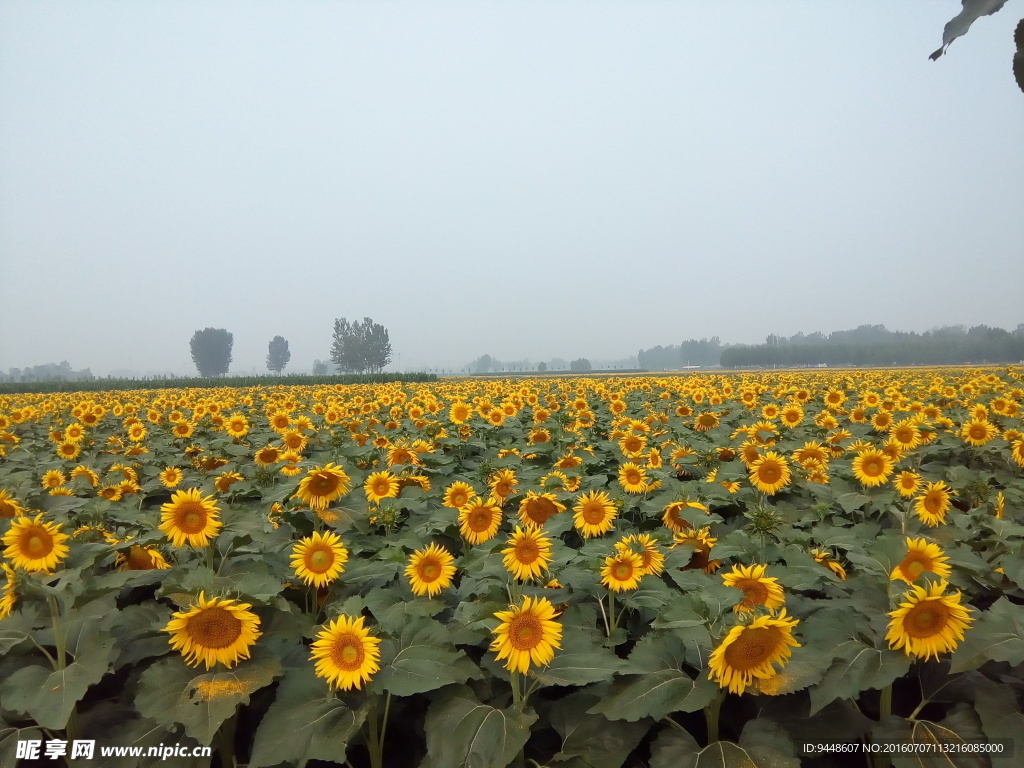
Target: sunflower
x: 322, y: 485
x: 479, y: 520
x: 770, y: 473
x: 381, y: 485
x: 68, y: 450
x: 528, y: 553
x: 825, y: 558
x: 503, y: 483
x: 267, y: 455
x: 183, y: 429
x: 651, y: 560
x: 430, y: 570
x: 142, y: 559
x: 757, y: 588
x: 921, y: 556
x: 706, y: 422
x: 907, y: 483
x: 111, y: 492
x: 672, y: 518
x: 458, y: 494
x: 632, y: 478
x: 33, y: 545
x: 53, y: 479
x: 906, y: 434
x: 872, y: 467
x: 237, y: 426
x: 347, y: 654
x: 528, y: 634
x: 792, y: 415
x: 1017, y: 453
x: 537, y: 508
x: 290, y: 464
x: 931, y: 507
x: 7, y: 601
x: 977, y: 432
x: 9, y: 506
x: 225, y: 480
x: 701, y: 542
x: 190, y: 517
x: 623, y: 570
x: 750, y: 651
x: 460, y: 412
x: 319, y: 559
x: 929, y: 623
x: 595, y: 514
x: 216, y: 631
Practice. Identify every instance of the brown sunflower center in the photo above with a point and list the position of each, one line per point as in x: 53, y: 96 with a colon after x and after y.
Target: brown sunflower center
x: 933, y: 502
x: 914, y: 567
x: 872, y: 466
x: 527, y: 551
x: 754, y: 593
x: 539, y: 510
x: 348, y: 653
x: 594, y: 513
x: 502, y: 488
x: 322, y: 484
x: 214, y: 628
x: 190, y: 517
x: 525, y: 632
x: 633, y: 476
x: 37, y: 543
x: 429, y: 570
x: 381, y: 486
x: 479, y: 520
x: 753, y: 647
x: 460, y: 498
x: 769, y: 472
x: 139, y: 559
x: 320, y: 560
x: 622, y: 571
x: 926, y: 619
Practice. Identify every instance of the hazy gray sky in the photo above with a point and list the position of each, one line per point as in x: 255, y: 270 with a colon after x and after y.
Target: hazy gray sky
x: 526, y: 179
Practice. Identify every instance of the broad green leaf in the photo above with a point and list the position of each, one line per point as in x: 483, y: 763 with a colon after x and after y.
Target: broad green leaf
x: 304, y: 724
x: 997, y: 635
x: 597, y: 741
x: 858, y: 667
x: 762, y: 745
x: 170, y: 692
x: 657, y: 684
x: 959, y: 727
x: 422, y: 659
x: 464, y: 733
x: 581, y: 660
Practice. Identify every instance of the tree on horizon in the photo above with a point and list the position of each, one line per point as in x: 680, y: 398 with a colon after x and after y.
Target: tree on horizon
x: 211, y: 351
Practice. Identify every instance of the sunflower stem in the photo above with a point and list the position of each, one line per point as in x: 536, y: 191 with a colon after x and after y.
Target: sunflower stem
x: 62, y: 662
x: 517, y: 694
x: 711, y: 713
x: 607, y: 626
x: 373, y: 742
x: 209, y: 556
x: 611, y: 611
x: 885, y: 702
x: 384, y: 723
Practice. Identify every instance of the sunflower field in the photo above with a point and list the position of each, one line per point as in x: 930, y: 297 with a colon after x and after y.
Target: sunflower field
x: 663, y: 571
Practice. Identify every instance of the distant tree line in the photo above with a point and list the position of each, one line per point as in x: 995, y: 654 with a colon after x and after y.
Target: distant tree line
x: 874, y: 345
x: 61, y: 371
x: 705, y: 352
